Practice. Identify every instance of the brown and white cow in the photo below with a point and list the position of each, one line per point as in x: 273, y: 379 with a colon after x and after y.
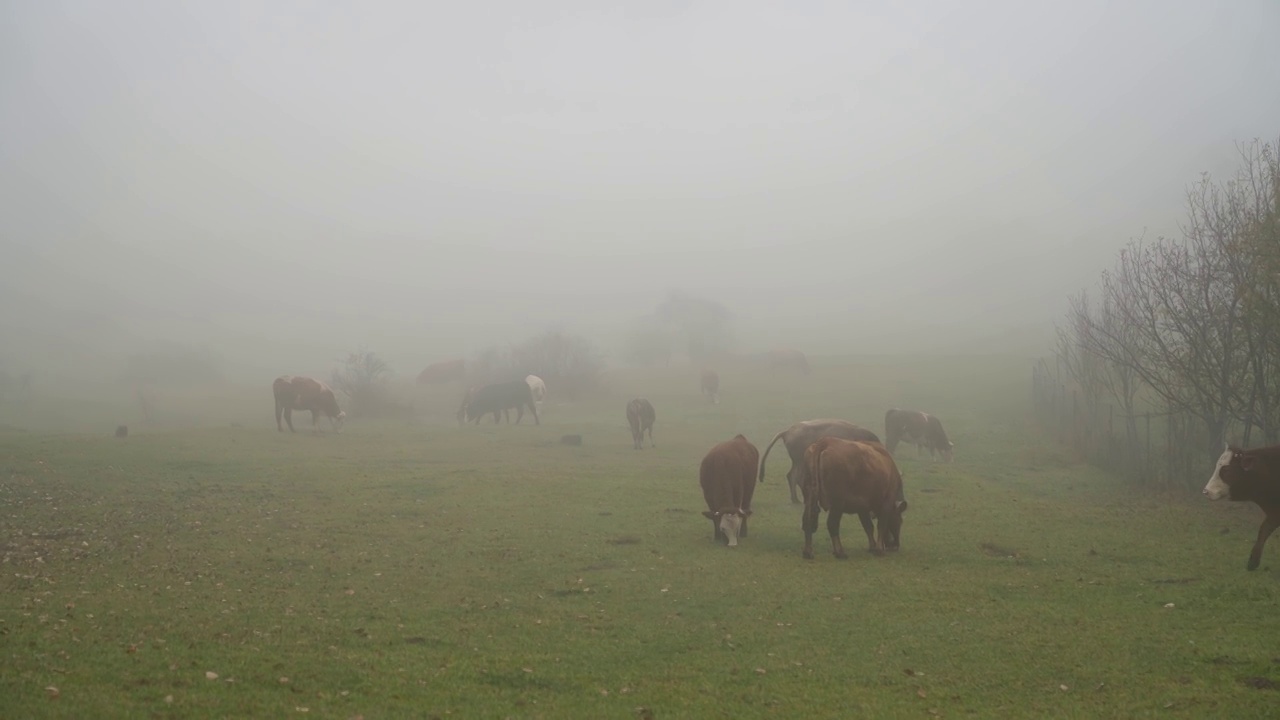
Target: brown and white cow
x: 640, y: 417
x: 921, y: 429
x: 304, y: 393
x: 850, y: 476
x: 1252, y: 475
x: 788, y: 359
x: 443, y: 372
x: 801, y: 435
x: 728, y: 479
x: 711, y: 385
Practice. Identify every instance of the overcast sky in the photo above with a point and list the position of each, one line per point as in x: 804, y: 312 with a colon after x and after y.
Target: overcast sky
x: 433, y: 176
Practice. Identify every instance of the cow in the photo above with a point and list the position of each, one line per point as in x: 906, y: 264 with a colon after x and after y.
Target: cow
x: 498, y: 398
x: 784, y: 359
x: 1252, y: 475
x: 640, y: 417
x: 800, y: 436
x: 922, y: 429
x: 443, y: 372
x: 851, y: 476
x: 538, y: 388
x: 304, y: 393
x: 728, y: 480
x: 711, y: 385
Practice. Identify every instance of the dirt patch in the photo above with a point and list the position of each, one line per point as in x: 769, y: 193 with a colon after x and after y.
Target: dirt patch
x: 993, y: 550
x: 1176, y: 581
x: 1261, y: 683
x: 624, y: 540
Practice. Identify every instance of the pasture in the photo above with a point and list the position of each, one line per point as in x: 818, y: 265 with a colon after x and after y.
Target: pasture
x: 418, y: 569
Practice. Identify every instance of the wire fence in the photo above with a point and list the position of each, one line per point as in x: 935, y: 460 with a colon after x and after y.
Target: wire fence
x: 1151, y: 448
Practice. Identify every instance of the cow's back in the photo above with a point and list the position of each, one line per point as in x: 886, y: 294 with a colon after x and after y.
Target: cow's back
x: 849, y: 470
x: 723, y: 475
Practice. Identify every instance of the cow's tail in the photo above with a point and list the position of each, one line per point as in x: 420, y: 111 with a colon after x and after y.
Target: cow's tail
x: 765, y: 456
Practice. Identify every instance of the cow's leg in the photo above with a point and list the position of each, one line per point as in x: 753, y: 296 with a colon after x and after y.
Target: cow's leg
x: 833, y: 529
x: 792, y: 481
x: 1268, y: 526
x: 279, y: 413
x: 533, y: 408
x: 288, y: 417
x: 809, y: 524
x: 870, y: 529
x: 519, y: 413
x: 651, y: 442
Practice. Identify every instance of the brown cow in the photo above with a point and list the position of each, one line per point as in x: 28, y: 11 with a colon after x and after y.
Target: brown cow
x: 788, y: 359
x: 640, y: 417
x: 304, y: 393
x: 728, y: 479
x: 850, y: 476
x: 922, y: 429
x: 711, y: 385
x: 1250, y: 475
x: 800, y: 436
x: 443, y: 372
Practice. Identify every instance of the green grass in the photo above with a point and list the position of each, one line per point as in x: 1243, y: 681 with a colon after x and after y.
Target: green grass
x: 422, y: 570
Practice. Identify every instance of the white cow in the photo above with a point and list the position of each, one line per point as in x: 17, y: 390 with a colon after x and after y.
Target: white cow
x: 538, y: 388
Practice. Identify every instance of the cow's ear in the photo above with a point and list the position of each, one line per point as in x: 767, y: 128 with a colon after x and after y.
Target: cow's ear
x: 709, y: 515
x: 902, y: 507
x: 1247, y: 462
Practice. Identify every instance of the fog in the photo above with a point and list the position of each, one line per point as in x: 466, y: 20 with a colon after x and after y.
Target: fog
x: 287, y: 181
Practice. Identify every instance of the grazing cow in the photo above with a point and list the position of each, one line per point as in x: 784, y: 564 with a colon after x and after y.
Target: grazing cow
x: 800, y: 436
x: 728, y: 479
x: 850, y: 476
x: 499, y: 398
x: 640, y: 417
x: 711, y: 385
x: 443, y: 372
x: 922, y: 429
x: 304, y: 393
x: 538, y: 388
x: 1250, y: 475
x: 783, y: 359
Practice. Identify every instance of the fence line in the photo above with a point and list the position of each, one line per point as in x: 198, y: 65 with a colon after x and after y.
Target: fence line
x: 1159, y: 448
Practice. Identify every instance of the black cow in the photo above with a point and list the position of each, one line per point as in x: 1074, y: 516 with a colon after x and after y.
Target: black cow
x: 499, y: 398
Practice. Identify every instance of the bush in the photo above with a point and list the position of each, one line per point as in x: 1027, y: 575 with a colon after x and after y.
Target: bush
x: 363, y: 379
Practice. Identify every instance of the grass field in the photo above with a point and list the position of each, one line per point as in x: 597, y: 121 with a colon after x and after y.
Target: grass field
x: 425, y: 570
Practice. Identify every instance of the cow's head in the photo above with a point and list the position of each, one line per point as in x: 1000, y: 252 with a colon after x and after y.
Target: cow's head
x: 889, y: 525
x: 1231, y: 466
x: 949, y: 452
x: 338, y: 420
x: 729, y: 523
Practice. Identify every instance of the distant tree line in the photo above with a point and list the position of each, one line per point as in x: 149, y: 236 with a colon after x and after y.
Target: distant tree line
x: 681, y: 322
x: 1191, y: 324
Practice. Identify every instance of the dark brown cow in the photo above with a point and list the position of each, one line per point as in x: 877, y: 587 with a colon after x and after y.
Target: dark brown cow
x: 922, y: 429
x: 498, y: 398
x: 800, y: 436
x: 1252, y: 475
x: 784, y: 359
x: 304, y: 393
x: 640, y: 417
x: 849, y: 476
x: 728, y: 479
x: 711, y: 385
x: 443, y: 372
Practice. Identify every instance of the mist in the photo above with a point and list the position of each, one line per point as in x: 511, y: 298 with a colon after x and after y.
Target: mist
x: 286, y: 181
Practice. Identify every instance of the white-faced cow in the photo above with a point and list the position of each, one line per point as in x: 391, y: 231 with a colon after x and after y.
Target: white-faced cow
x: 800, y: 436
x: 443, y: 372
x: 922, y: 429
x: 640, y: 417
x: 711, y: 385
x: 304, y: 393
x: 788, y: 360
x: 538, y: 388
x: 1252, y: 475
x: 848, y: 476
x: 728, y: 479
x: 498, y: 398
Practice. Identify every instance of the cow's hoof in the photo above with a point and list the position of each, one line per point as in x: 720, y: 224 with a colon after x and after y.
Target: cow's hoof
x: 806, y: 554
x: 1253, y: 565
x: 841, y: 555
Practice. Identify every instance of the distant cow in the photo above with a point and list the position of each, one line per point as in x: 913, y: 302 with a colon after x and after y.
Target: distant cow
x: 711, y: 385
x: 640, y: 417
x: 800, y: 436
x: 849, y: 476
x: 788, y: 359
x: 304, y: 393
x: 728, y: 479
x: 538, y: 388
x: 922, y: 429
x: 498, y: 398
x: 443, y: 372
x: 1252, y: 475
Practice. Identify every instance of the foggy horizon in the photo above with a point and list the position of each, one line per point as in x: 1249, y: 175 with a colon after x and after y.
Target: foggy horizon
x: 296, y: 180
